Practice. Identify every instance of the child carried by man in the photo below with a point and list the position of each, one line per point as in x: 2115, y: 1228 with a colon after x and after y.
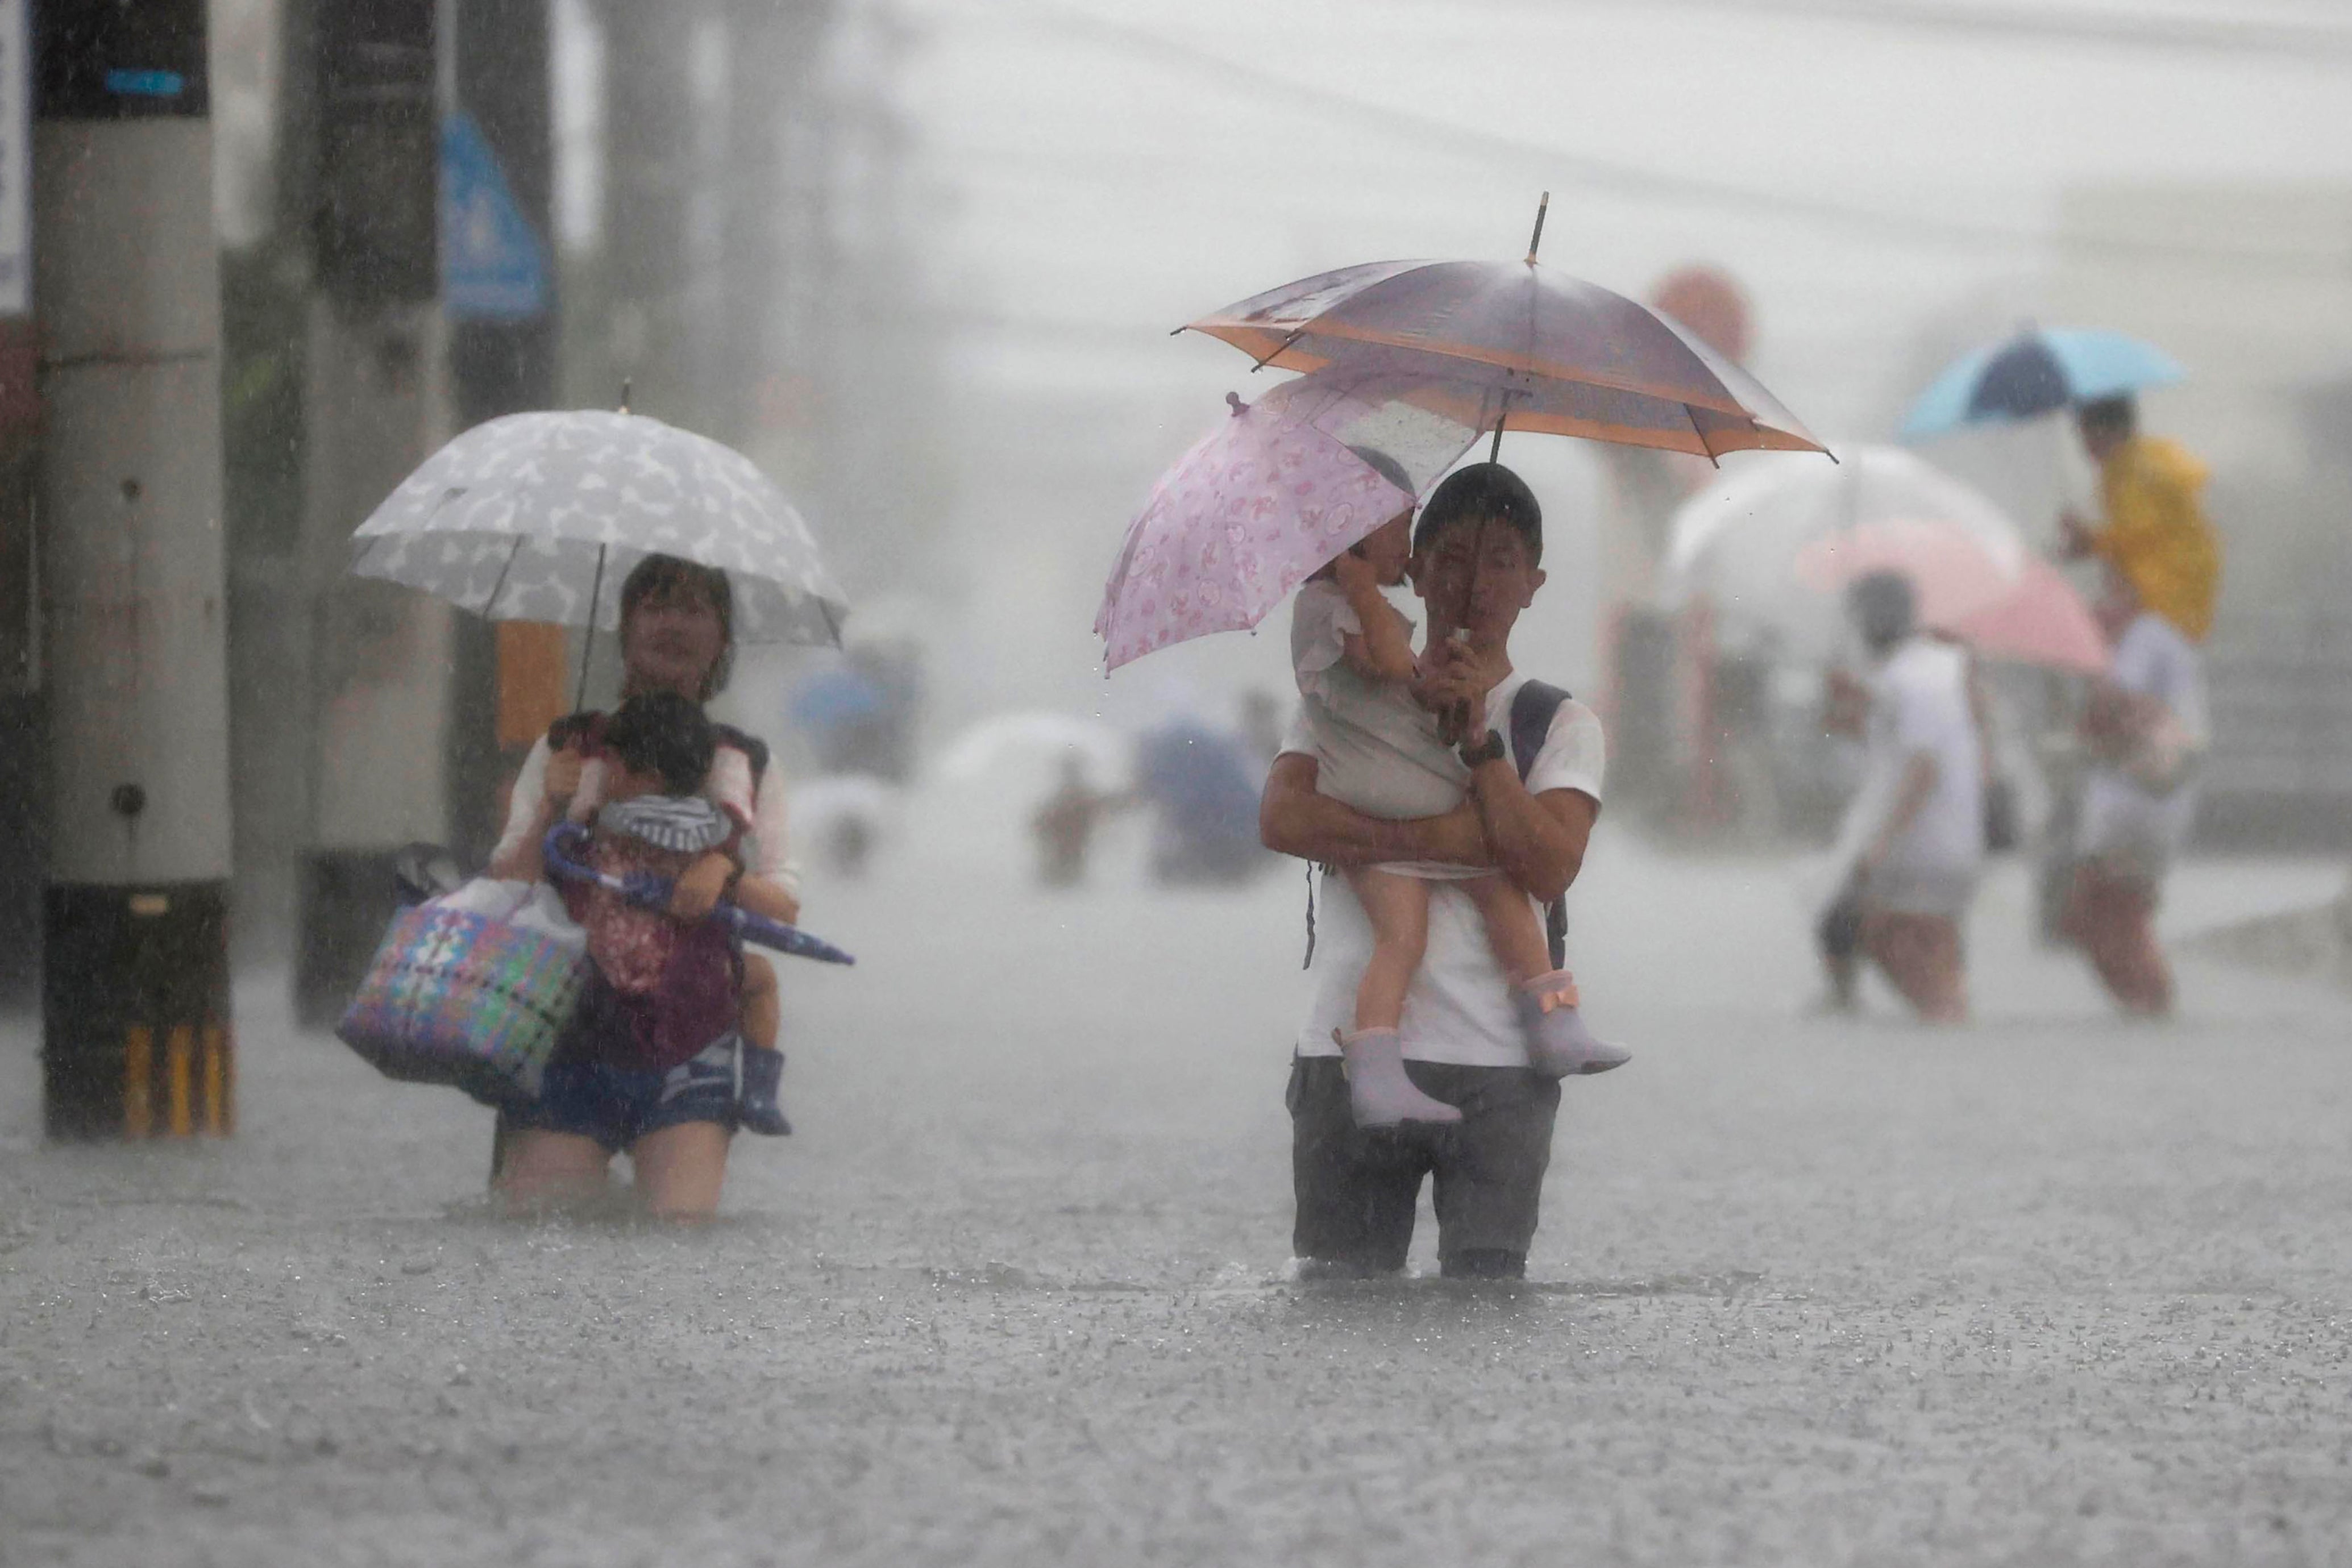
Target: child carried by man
x: 1381, y: 752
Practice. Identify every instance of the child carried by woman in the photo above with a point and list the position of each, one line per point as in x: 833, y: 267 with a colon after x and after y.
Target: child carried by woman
x: 669, y: 796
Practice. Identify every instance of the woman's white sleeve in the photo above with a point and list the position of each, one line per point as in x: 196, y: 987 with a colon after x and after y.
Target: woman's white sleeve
x: 522, y: 808
x: 773, y: 836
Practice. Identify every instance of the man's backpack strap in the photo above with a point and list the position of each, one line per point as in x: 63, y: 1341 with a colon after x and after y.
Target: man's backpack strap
x: 1532, y: 711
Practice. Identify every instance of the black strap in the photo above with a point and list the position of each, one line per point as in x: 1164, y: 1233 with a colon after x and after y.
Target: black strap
x: 1532, y: 711
x: 1308, y: 962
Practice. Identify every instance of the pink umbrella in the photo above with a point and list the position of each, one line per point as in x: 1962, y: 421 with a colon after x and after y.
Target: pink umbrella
x: 1260, y: 505
x: 2041, y: 620
x: 2017, y: 608
x: 1955, y: 572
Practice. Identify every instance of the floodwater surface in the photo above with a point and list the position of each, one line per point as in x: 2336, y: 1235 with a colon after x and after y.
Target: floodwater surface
x: 2047, y: 1289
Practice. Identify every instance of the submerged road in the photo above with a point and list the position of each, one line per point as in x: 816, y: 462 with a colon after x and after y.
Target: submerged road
x: 2047, y: 1289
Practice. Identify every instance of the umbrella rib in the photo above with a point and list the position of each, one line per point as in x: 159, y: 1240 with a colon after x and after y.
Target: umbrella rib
x: 490, y: 605
x: 1707, y: 451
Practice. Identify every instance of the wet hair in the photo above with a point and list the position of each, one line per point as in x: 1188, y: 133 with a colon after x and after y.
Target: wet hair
x: 667, y: 736
x: 1884, y: 608
x: 2117, y: 416
x: 662, y: 575
x: 1387, y: 468
x: 1487, y: 493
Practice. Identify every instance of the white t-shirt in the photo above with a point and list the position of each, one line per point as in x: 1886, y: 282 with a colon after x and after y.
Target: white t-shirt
x: 2152, y: 659
x: 1919, y: 702
x: 1374, y: 747
x: 1458, y: 1009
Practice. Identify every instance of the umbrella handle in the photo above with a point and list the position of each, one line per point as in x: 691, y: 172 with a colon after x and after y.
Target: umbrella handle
x: 567, y: 841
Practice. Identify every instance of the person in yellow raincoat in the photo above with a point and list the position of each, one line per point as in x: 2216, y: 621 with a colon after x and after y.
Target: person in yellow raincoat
x: 2156, y: 533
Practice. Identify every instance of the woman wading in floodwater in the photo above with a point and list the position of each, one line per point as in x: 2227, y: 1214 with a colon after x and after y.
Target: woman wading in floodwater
x: 613, y: 1086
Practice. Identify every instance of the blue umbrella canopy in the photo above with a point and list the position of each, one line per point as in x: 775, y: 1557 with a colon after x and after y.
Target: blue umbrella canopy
x: 2038, y: 372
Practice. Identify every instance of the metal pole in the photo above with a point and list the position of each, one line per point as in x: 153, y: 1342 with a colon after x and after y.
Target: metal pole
x: 136, y: 1036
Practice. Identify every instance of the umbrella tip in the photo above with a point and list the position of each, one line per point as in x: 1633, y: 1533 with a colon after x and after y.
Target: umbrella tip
x: 1534, y: 241
x: 625, y: 395
x: 1234, y: 401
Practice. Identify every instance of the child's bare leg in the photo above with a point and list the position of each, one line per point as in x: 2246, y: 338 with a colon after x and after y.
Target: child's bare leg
x: 1397, y: 907
x: 1379, y: 1092
x: 763, y: 1065
x: 1515, y: 932
x: 1560, y: 1045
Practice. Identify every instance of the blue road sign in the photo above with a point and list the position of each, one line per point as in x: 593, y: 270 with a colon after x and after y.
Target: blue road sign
x: 493, y: 265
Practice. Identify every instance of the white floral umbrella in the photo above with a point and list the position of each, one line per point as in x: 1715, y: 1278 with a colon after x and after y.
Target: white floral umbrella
x: 539, y: 516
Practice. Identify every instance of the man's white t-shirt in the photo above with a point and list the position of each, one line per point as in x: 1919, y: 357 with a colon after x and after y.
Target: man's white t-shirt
x: 1458, y: 1009
x: 1919, y: 702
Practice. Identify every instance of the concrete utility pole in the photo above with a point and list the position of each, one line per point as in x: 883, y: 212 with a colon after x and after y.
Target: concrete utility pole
x: 653, y: 179
x: 380, y: 654
x: 500, y: 295
x: 135, y: 1026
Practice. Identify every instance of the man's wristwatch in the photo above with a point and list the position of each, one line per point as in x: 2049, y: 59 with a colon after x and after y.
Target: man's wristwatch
x: 1490, y: 749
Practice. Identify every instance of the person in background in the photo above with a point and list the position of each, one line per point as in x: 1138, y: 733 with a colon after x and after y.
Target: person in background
x: 1262, y: 723
x: 2145, y: 729
x: 1065, y: 825
x: 1913, y: 844
x: 2154, y: 533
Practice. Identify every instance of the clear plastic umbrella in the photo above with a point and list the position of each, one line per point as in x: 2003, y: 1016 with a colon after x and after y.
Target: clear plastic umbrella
x: 1737, y: 543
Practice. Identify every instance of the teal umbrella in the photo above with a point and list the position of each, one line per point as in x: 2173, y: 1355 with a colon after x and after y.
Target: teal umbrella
x: 2039, y: 371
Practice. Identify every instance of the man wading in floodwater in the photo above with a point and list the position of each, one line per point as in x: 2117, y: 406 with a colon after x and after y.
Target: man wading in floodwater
x: 1474, y: 566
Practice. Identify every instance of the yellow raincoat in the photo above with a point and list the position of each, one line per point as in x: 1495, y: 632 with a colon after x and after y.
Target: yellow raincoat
x: 2157, y: 533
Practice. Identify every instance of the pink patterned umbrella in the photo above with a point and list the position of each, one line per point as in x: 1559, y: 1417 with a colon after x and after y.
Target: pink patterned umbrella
x: 1260, y: 505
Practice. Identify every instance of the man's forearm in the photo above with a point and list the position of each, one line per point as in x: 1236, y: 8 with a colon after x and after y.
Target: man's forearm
x: 1294, y: 819
x: 1533, y: 847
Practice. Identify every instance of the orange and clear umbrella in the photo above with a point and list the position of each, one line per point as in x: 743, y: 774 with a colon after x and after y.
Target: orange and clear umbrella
x: 1499, y: 345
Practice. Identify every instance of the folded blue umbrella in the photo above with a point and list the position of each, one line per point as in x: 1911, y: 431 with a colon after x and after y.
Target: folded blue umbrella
x: 2038, y: 372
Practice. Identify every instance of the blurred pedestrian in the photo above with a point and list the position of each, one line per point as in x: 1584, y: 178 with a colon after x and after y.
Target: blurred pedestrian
x: 1262, y: 722
x: 1913, y: 844
x: 1204, y: 800
x: 1528, y: 812
x: 2145, y: 731
x: 1065, y: 825
x: 2154, y: 532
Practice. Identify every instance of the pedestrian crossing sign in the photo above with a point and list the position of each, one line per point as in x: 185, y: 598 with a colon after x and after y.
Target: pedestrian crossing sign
x: 494, y: 266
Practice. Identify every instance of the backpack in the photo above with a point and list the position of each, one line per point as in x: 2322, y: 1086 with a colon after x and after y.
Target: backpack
x: 1532, y: 711
x: 1533, y: 708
